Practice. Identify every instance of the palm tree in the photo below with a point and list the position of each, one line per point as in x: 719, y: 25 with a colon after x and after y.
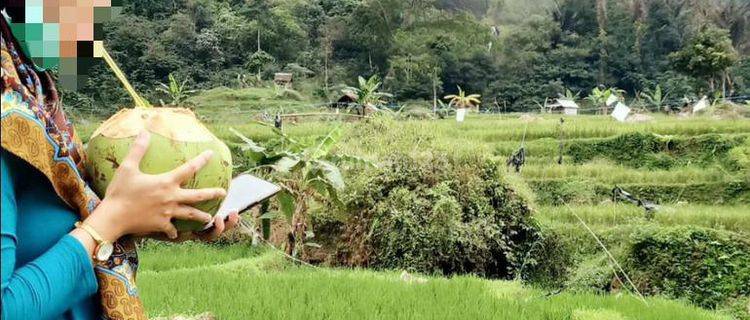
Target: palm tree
x: 462, y: 101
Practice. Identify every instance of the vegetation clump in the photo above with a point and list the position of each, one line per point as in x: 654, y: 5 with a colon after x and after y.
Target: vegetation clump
x: 652, y: 151
x: 707, y: 266
x: 436, y: 213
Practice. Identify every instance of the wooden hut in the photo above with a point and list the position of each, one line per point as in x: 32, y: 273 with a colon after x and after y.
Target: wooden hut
x: 346, y: 100
x: 564, y: 106
x: 283, y: 79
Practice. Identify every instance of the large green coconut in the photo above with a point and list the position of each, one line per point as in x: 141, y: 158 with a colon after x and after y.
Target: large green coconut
x: 176, y: 137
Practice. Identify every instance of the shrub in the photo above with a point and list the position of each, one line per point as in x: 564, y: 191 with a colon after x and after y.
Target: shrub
x: 739, y: 157
x: 706, y: 266
x: 437, y: 213
x: 646, y: 150
x: 548, y: 260
x: 560, y: 192
x: 583, y: 191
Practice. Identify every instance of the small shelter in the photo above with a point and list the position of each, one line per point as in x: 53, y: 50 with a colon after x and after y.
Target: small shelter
x: 283, y: 79
x: 564, y: 106
x: 347, y: 99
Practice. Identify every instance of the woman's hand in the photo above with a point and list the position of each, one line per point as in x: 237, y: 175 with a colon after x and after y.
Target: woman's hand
x: 211, y: 234
x: 139, y: 203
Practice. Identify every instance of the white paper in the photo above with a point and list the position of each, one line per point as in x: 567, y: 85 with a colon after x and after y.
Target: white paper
x: 621, y: 112
x: 245, y: 191
x: 460, y: 114
x: 612, y: 99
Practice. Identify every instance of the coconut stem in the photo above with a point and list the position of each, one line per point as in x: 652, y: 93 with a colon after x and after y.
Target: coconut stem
x: 139, y: 101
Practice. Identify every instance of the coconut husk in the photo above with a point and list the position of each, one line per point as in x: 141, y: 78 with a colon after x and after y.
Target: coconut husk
x: 129, y: 122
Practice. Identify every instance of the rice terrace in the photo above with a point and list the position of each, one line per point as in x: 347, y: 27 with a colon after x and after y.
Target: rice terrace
x: 437, y: 159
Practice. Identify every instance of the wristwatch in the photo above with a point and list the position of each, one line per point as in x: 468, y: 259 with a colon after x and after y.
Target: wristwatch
x: 103, y: 249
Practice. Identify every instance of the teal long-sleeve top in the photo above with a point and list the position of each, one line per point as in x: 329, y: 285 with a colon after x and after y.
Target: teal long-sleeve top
x: 46, y: 273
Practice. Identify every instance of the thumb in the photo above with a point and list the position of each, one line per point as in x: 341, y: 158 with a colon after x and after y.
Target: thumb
x: 137, y: 150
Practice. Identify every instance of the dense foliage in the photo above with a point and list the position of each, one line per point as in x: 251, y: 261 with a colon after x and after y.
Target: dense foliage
x: 704, y: 265
x: 645, y: 150
x: 438, y: 214
x: 514, y: 53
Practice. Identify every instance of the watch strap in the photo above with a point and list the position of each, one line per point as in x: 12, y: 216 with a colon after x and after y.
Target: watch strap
x: 91, y: 231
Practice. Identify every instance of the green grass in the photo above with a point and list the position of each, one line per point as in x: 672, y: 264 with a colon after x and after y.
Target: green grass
x: 605, y: 172
x: 731, y: 218
x: 260, y: 285
x: 225, y: 105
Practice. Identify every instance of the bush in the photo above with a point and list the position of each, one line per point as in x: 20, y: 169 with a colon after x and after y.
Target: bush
x: 739, y: 157
x: 646, y: 150
x: 548, y: 260
x: 437, y: 213
x: 560, y: 192
x: 582, y: 191
x: 706, y: 266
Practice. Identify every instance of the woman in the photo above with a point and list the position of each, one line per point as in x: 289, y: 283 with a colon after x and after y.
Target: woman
x: 56, y: 232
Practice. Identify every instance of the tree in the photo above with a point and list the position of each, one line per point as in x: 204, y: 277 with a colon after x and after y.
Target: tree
x: 367, y: 93
x: 307, y: 171
x: 656, y: 98
x: 463, y: 101
x: 258, y: 61
x: 708, y: 55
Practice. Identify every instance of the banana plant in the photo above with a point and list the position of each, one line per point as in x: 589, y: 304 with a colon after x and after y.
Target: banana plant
x: 599, y: 97
x: 656, y: 98
x: 569, y: 95
x: 368, y: 94
x: 307, y: 172
x: 175, y: 90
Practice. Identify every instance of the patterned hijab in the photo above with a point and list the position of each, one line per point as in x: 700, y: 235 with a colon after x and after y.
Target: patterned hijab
x: 35, y: 129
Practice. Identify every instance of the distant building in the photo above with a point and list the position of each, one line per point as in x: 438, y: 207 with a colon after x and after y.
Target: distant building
x: 283, y: 79
x: 564, y: 106
x: 349, y: 98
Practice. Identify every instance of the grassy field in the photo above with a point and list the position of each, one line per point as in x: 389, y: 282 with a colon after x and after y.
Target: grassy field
x: 731, y: 218
x: 237, y: 282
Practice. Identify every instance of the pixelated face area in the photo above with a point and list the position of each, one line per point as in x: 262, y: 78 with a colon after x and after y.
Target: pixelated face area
x: 61, y: 33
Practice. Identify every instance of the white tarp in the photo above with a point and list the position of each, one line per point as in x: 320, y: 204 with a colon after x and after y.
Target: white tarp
x: 461, y: 114
x: 612, y: 99
x: 700, y: 105
x: 621, y: 112
x: 567, y: 103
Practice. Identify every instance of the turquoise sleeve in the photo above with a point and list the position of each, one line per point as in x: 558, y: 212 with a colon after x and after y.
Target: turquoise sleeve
x: 50, y: 284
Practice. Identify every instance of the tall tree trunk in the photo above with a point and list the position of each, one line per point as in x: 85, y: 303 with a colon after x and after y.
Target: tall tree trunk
x: 601, y: 18
x: 639, y: 18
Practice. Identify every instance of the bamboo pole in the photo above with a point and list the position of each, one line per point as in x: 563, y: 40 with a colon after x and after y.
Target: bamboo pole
x: 99, y: 50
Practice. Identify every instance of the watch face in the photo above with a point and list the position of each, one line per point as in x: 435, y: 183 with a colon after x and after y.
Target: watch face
x: 104, y: 251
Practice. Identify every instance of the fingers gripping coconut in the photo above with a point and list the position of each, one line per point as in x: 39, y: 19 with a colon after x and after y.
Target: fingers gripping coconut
x: 156, y: 169
x: 182, y: 169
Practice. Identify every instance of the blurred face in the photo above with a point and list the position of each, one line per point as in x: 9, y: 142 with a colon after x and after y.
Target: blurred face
x: 60, y: 34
